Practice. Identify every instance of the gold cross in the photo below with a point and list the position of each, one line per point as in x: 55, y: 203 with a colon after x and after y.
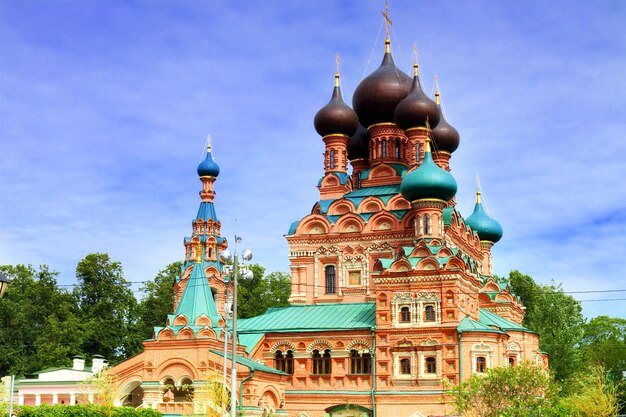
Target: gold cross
x: 387, y: 19
x: 337, y: 61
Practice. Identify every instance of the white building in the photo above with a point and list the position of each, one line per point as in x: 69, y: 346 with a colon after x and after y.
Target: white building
x: 59, y: 385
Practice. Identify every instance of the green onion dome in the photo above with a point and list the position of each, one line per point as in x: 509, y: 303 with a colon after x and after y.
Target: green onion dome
x: 208, y: 167
x: 359, y: 144
x: 416, y: 108
x: 445, y: 136
x: 336, y: 116
x: 487, y: 228
x: 377, y: 95
x: 428, y: 181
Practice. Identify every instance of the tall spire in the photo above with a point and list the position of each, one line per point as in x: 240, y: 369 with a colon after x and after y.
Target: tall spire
x: 388, y: 23
x: 337, y: 63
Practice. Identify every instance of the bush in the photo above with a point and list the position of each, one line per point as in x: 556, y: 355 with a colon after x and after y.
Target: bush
x: 84, y: 410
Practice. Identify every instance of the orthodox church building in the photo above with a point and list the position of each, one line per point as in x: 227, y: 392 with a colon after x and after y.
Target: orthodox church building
x: 392, y: 293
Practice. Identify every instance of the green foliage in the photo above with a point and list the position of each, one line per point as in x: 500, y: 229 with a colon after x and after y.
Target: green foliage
x: 558, y: 319
x: 83, y: 410
x: 158, y: 300
x: 261, y: 292
x: 516, y: 391
x: 39, y: 327
x: 604, y: 343
x: 108, y: 309
x: 596, y: 395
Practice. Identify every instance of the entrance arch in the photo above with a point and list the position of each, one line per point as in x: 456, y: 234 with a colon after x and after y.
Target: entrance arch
x: 131, y: 395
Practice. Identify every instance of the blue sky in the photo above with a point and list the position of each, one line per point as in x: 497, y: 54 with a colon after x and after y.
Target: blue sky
x: 105, y: 107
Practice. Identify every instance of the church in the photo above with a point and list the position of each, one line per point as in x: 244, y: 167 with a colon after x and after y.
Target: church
x: 392, y: 294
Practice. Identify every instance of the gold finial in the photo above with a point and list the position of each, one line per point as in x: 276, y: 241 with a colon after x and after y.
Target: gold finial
x: 437, y: 100
x: 388, y: 23
x: 478, y: 197
x: 477, y: 189
x: 337, y: 63
x: 415, y: 64
x: 208, y: 143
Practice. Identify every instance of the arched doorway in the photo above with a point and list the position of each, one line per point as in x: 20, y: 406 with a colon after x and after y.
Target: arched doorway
x: 131, y: 395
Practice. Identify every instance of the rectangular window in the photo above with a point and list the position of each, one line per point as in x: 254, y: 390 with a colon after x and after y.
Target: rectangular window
x: 431, y: 365
x: 405, y: 366
x: 330, y: 279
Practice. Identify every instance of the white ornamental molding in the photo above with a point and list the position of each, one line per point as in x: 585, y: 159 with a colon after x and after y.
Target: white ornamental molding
x: 361, y: 346
x: 283, y: 345
x: 319, y: 345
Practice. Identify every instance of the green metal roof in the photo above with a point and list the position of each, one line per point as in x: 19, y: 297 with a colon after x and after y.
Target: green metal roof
x: 375, y: 191
x: 470, y: 325
x: 312, y: 318
x: 492, y: 319
x: 197, y: 298
x: 249, y: 363
x: 249, y: 340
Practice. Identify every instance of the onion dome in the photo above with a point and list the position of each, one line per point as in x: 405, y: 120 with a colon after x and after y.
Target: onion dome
x: 445, y: 136
x: 377, y: 96
x: 359, y: 144
x: 416, y: 108
x: 487, y: 228
x: 208, y: 167
x: 428, y: 181
x: 336, y: 116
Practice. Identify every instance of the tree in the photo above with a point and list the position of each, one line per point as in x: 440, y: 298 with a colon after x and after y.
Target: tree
x: 158, y: 300
x: 39, y: 327
x: 604, y: 343
x: 514, y: 391
x: 597, y: 395
x: 558, y: 319
x: 107, y: 308
x: 261, y: 292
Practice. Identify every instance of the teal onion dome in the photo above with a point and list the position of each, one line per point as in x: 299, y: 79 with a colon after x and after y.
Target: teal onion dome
x: 480, y: 222
x: 208, y: 167
x: 428, y: 181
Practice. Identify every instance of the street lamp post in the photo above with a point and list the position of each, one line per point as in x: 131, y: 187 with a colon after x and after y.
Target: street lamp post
x: 4, y: 283
x: 226, y: 256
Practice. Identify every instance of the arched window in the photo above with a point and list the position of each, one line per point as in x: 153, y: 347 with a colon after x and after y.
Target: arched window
x: 426, y: 224
x: 284, y: 363
x: 321, y: 363
x: 397, y: 149
x: 511, y: 361
x: 481, y: 364
x: 330, y: 279
x: 360, y: 364
x: 405, y: 315
x: 210, y: 253
x: 383, y: 149
x: 431, y: 365
x: 429, y: 313
x: 405, y: 366
x: 332, y: 159
x: 417, y: 152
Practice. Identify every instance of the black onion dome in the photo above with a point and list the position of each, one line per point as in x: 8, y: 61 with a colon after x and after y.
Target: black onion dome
x: 336, y: 116
x: 359, y: 144
x: 445, y: 136
x: 377, y: 96
x: 416, y: 108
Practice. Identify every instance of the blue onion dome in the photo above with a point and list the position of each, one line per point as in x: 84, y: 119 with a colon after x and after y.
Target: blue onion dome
x: 336, y: 116
x: 428, y: 181
x: 445, y: 136
x: 208, y: 167
x: 480, y: 222
x: 416, y: 108
x: 376, y: 97
x: 359, y: 144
